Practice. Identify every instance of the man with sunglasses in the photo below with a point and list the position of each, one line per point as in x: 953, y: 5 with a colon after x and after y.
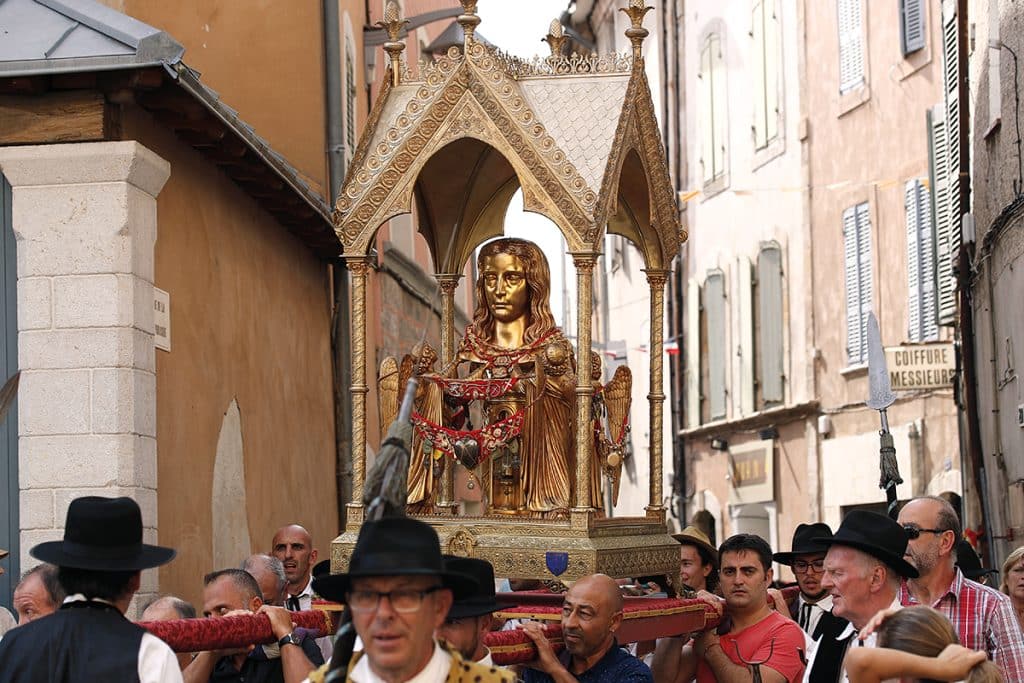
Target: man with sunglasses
x: 982, y: 616
x: 812, y: 610
x: 399, y: 592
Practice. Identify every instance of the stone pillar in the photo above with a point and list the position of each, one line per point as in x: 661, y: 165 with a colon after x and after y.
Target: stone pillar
x: 85, y: 221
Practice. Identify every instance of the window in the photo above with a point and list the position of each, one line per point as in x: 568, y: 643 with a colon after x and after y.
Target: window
x: 765, y: 32
x: 912, y: 29
x: 691, y: 349
x: 714, y: 311
x: 713, y: 113
x: 851, y: 45
x: 921, y: 302
x: 769, y: 325
x: 857, y: 247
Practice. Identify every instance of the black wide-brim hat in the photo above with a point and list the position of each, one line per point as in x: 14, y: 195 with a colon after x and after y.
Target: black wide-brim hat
x: 394, y: 546
x: 969, y: 562
x: 103, y: 534
x: 482, y: 600
x: 804, y: 543
x: 877, y: 535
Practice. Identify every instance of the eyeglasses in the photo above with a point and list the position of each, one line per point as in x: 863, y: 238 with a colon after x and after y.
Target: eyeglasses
x: 913, y: 531
x: 402, y: 599
x: 801, y: 567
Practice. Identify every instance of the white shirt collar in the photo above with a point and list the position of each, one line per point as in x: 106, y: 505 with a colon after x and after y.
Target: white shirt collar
x: 825, y: 603
x: 436, y: 670
x: 486, y: 659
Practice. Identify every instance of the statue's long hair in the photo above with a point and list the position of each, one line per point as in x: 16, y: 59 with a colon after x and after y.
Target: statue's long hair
x: 538, y: 282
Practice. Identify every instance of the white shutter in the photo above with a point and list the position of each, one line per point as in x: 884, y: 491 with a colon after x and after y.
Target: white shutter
x: 926, y: 271
x: 761, y: 112
x: 772, y: 67
x: 714, y: 309
x: 770, y: 323
x: 744, y: 299
x: 707, y: 136
x: 851, y: 45
x: 691, y: 346
x: 864, y: 274
x: 947, y: 219
x: 719, y: 105
x: 913, y: 262
x: 912, y: 25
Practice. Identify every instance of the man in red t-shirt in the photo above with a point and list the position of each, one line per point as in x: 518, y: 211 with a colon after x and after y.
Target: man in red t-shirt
x: 757, y: 635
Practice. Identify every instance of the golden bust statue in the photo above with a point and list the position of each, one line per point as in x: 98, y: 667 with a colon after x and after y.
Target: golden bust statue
x: 514, y: 375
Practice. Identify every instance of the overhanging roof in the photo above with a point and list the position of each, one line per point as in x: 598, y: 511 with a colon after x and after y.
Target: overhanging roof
x: 54, y: 44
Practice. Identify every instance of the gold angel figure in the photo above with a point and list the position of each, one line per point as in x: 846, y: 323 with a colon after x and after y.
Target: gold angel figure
x: 425, y: 462
x: 612, y: 404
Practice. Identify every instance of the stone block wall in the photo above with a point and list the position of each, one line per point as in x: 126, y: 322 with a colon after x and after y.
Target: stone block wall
x: 85, y: 221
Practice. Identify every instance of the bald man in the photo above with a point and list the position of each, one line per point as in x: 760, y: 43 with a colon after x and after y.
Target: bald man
x: 591, y: 614
x: 170, y: 608
x: 293, y: 545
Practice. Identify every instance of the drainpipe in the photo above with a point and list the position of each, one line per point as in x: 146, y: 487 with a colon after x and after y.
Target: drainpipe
x: 340, y: 342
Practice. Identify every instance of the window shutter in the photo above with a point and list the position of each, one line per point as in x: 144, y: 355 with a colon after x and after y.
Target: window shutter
x: 851, y: 45
x: 913, y: 262
x: 857, y: 249
x: 707, y: 137
x: 714, y: 309
x: 691, y: 346
x: 744, y: 299
x: 719, y: 105
x: 772, y: 67
x: 947, y: 218
x: 912, y: 25
x: 760, y: 76
x: 769, y: 313
x: 926, y: 270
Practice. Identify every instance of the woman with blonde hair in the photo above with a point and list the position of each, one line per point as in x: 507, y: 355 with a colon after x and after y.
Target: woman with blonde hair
x: 918, y: 644
x: 1013, y: 582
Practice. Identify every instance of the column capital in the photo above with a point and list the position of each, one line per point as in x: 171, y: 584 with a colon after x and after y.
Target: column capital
x: 657, y: 277
x: 448, y: 282
x: 358, y: 264
x: 85, y: 163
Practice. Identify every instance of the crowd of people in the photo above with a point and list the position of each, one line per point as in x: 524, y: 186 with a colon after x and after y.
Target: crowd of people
x: 878, y: 599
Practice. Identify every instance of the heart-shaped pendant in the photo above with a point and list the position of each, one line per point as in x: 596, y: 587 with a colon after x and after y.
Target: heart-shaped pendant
x: 467, y: 450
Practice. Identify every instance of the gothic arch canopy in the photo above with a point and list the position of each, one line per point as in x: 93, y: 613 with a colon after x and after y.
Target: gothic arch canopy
x: 578, y: 135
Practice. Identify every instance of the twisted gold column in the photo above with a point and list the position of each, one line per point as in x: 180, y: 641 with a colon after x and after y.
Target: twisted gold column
x: 359, y: 267
x: 448, y: 284
x: 656, y: 397
x: 584, y: 263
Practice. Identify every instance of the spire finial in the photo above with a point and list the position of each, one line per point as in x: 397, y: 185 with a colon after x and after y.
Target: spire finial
x: 393, y: 24
x: 468, y: 20
x: 555, y: 38
x: 636, y: 33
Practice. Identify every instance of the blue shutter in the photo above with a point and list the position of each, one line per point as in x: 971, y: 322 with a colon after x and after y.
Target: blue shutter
x: 912, y: 25
x: 9, y: 494
x: 947, y: 226
x: 691, y: 346
x: 864, y: 274
x: 851, y: 44
x: 857, y: 251
x: 914, y: 299
x: 926, y: 270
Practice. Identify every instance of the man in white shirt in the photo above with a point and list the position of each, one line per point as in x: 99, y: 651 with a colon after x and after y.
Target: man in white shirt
x: 100, y: 562
x: 863, y: 569
x: 293, y: 545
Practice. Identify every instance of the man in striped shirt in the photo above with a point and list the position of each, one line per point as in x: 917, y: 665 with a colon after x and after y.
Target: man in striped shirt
x: 983, y: 617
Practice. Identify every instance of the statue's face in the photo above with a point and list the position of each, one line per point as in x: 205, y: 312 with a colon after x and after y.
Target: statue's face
x: 505, y: 287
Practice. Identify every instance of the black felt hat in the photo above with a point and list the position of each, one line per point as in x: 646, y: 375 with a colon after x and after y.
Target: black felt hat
x: 103, y: 534
x: 804, y: 543
x: 394, y: 546
x: 482, y: 600
x: 877, y: 535
x: 969, y: 562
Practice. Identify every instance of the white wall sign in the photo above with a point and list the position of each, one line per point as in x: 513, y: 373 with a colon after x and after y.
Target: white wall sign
x: 921, y: 366
x: 161, y: 319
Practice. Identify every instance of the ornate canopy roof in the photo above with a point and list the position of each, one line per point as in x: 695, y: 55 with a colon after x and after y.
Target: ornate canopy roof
x: 577, y: 134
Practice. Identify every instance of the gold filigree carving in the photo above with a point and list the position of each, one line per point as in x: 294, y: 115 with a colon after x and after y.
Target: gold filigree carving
x: 461, y: 543
x: 555, y: 38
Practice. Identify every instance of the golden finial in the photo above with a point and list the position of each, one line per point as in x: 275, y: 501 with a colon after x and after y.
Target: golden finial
x: 393, y: 24
x: 468, y: 20
x: 636, y: 33
x: 555, y: 38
